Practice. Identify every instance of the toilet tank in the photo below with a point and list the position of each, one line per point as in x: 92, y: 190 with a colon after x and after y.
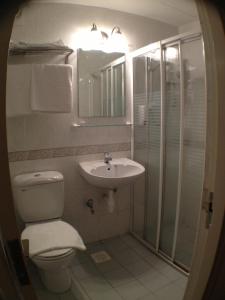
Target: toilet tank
x: 39, y: 196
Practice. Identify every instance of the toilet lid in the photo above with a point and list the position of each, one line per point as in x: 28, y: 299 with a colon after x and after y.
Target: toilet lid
x: 48, y: 237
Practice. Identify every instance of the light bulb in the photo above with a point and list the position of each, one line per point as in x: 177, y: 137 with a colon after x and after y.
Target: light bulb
x: 91, y: 40
x: 171, y: 53
x: 117, y: 42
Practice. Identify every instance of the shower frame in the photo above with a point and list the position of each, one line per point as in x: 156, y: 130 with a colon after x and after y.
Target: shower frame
x: 162, y: 45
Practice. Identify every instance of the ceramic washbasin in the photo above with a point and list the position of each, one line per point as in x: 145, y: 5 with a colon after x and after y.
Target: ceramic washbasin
x: 118, y: 172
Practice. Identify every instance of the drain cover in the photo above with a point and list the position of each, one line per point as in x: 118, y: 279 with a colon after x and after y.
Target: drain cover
x: 100, y: 257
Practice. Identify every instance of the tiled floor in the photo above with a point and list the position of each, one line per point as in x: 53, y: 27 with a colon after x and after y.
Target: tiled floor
x: 132, y: 273
x: 185, y: 242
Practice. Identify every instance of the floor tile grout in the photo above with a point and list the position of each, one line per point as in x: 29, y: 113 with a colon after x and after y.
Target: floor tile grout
x: 118, y: 247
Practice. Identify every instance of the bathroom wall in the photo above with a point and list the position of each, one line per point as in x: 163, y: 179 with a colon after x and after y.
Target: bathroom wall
x: 193, y: 26
x: 49, y: 141
x: 92, y: 227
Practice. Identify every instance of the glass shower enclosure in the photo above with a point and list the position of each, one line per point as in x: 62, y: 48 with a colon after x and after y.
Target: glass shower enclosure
x: 169, y: 140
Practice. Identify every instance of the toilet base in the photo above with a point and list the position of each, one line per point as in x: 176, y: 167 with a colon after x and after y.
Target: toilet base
x: 57, y: 282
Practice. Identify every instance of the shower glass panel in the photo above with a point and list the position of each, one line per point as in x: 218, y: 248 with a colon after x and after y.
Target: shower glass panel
x: 141, y: 140
x: 154, y: 129
x: 171, y: 148
x: 109, y: 92
x: 104, y: 92
x: 169, y: 140
x: 193, y: 149
x: 118, y: 90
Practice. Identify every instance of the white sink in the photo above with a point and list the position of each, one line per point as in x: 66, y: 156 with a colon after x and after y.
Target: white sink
x: 118, y: 172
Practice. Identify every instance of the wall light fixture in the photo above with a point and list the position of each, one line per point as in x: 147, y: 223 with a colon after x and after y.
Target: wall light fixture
x: 96, y: 39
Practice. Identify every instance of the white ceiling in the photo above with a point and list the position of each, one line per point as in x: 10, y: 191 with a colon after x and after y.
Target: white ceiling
x: 174, y: 12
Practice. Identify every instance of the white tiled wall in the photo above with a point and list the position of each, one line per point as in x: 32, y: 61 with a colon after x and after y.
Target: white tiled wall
x: 52, y: 131
x: 139, y: 206
x: 52, y: 21
x: 49, y: 22
x: 94, y: 227
x: 193, y: 26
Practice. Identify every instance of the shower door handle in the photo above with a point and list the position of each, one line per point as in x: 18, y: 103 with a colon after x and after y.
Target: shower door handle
x: 207, y: 206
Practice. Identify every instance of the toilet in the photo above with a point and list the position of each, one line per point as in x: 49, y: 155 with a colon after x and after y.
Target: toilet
x: 39, y: 199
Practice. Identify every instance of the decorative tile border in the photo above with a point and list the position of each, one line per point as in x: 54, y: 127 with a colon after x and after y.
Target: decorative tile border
x: 67, y: 151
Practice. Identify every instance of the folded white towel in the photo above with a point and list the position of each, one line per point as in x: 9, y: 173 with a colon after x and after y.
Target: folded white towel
x: 51, y: 88
x: 18, y: 90
x: 52, y: 235
x: 24, y: 45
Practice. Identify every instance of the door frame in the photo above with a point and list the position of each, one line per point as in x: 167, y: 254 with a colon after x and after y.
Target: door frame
x: 208, y: 239
x: 14, y: 282
x: 7, y: 286
x: 215, y: 288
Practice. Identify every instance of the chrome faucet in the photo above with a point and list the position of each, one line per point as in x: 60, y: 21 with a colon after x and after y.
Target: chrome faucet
x: 107, y: 157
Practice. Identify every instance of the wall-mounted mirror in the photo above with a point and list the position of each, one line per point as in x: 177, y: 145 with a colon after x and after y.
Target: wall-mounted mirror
x: 101, y: 84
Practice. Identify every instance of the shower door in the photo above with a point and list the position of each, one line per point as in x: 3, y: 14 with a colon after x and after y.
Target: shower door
x: 147, y: 127
x: 153, y: 143
x: 173, y: 135
x: 171, y: 143
x: 140, y: 147
x: 193, y: 150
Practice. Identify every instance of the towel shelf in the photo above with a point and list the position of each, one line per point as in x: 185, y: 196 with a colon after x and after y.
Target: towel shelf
x: 42, y: 50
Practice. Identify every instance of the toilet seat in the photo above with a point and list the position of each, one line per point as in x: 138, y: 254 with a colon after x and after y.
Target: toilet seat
x: 53, y: 254
x: 51, y: 239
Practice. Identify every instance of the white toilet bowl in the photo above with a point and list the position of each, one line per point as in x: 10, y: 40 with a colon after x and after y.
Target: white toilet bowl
x: 50, y: 251
x: 54, y: 270
x: 39, y: 199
